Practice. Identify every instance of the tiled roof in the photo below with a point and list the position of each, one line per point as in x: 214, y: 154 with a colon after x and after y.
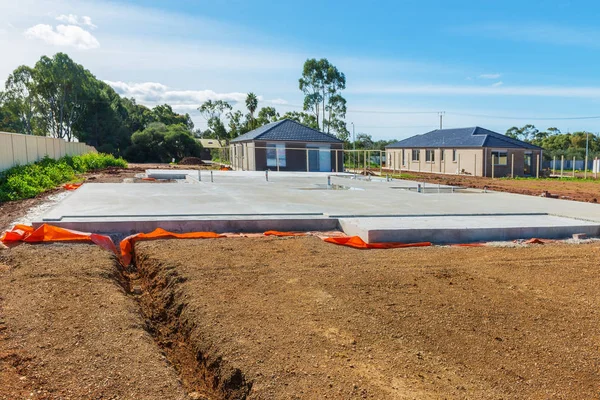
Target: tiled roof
x: 462, y: 137
x: 287, y: 130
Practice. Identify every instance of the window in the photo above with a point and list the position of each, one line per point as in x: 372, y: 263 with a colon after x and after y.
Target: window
x: 430, y: 156
x: 500, y: 157
x: 403, y: 158
x: 454, y: 155
x: 415, y: 155
x: 275, y: 152
x: 442, y: 151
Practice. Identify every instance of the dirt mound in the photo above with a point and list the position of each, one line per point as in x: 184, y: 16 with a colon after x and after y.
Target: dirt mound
x: 191, y: 161
x: 299, y: 318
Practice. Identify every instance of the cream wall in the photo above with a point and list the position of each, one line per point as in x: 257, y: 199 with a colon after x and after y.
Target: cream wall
x: 468, y: 161
x: 17, y: 149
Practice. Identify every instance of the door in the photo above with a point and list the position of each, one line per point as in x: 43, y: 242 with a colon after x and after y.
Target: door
x: 527, y: 166
x: 313, y: 159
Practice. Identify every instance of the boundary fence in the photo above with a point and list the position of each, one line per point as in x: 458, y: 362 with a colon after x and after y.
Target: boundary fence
x: 18, y: 149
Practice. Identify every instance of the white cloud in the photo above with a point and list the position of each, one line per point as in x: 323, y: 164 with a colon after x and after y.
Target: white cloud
x: 73, y: 19
x: 489, y: 76
x: 466, y: 90
x: 63, y: 35
x: 277, y: 101
x: 499, y: 83
x: 152, y: 93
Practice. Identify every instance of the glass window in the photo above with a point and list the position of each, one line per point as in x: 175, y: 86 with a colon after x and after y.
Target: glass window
x: 430, y: 155
x: 453, y: 155
x: 500, y: 157
x: 403, y: 158
x: 442, y: 151
x: 275, y: 152
x: 415, y: 155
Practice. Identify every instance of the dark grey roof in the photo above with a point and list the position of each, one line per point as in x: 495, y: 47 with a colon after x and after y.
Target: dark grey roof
x: 462, y: 137
x: 287, y: 130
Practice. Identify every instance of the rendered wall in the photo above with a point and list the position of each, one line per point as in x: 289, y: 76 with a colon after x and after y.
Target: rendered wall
x: 17, y: 149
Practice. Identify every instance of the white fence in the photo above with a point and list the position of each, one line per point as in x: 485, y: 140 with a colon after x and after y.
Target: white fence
x: 17, y: 149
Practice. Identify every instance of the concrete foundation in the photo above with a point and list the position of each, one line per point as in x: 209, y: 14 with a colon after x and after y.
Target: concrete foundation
x: 247, y: 202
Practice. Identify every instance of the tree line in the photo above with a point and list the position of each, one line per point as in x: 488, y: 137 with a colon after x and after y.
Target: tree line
x: 557, y: 144
x: 60, y: 98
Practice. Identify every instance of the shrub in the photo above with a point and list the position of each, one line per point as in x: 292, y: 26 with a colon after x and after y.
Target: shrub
x: 27, y: 181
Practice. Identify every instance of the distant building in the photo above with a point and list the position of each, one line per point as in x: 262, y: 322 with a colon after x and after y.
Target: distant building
x: 208, y: 145
x: 287, y: 145
x: 468, y: 151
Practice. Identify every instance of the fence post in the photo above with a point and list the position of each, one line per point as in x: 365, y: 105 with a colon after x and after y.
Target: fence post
x: 475, y: 165
x: 573, y: 167
x: 277, y: 158
x: 554, y: 166
x: 458, y: 170
x: 307, y: 164
x: 336, y: 160
x: 365, y: 160
x: 596, y: 168
x: 537, y: 172
x: 562, y: 165
x: 512, y: 165
x: 381, y: 162
x: 585, y: 167
x: 493, y: 165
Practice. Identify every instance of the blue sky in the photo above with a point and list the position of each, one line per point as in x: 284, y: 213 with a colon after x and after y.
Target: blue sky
x: 404, y: 60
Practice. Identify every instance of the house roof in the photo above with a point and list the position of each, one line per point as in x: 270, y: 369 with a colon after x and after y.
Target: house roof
x: 287, y: 130
x: 212, y: 143
x: 462, y: 137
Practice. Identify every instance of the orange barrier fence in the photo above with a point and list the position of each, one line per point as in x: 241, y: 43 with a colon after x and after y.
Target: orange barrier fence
x: 358, y: 243
x: 72, y: 186
x: 159, y: 233
x: 49, y: 233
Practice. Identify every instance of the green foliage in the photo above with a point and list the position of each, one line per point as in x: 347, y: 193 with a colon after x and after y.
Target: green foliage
x: 161, y: 143
x: 321, y: 83
x: 27, y: 181
x: 557, y: 144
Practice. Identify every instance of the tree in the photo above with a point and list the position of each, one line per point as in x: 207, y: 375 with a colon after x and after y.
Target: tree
x: 303, y: 118
x: 525, y: 133
x: 364, y: 141
x: 266, y: 115
x: 20, y: 98
x: 251, y: 105
x: 164, y: 113
x: 161, y: 143
x: 60, y: 85
x: 212, y: 111
x: 321, y: 83
x: 237, y: 124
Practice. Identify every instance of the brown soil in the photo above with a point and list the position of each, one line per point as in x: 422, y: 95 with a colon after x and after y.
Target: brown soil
x: 191, y: 161
x: 299, y: 318
x: 68, y: 330
x: 588, y: 191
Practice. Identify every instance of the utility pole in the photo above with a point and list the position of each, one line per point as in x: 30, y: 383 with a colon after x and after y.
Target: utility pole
x: 353, y: 144
x: 441, y: 114
x: 587, y: 148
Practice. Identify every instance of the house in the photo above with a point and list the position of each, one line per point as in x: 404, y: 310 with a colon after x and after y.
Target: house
x: 287, y: 145
x: 210, y: 145
x: 471, y: 151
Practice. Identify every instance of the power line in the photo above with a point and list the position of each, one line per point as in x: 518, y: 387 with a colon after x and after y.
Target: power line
x: 525, y: 118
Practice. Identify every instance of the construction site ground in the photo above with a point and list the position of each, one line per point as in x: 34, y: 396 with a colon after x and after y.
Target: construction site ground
x: 563, y: 188
x: 298, y: 318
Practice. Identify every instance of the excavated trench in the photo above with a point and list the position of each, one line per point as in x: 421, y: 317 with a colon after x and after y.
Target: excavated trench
x: 156, y: 287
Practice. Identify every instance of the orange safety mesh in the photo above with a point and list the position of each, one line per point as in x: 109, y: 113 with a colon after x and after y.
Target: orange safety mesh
x: 358, y: 243
x: 284, y: 234
x: 72, y: 186
x: 49, y: 233
x: 159, y: 233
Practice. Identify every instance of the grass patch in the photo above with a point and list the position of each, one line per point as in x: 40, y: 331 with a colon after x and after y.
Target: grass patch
x: 27, y: 181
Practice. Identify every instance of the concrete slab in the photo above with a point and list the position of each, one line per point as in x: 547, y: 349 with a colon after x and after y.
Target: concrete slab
x: 465, y: 228
x: 171, y: 173
x: 246, y: 201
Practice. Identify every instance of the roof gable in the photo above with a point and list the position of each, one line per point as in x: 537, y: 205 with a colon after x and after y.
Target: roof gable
x: 287, y: 130
x: 462, y: 137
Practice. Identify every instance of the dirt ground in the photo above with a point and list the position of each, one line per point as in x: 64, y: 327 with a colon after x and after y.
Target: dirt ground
x: 588, y: 191
x: 298, y: 318
x: 68, y: 330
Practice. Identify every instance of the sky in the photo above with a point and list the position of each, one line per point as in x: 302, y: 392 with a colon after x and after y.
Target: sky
x: 494, y: 64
